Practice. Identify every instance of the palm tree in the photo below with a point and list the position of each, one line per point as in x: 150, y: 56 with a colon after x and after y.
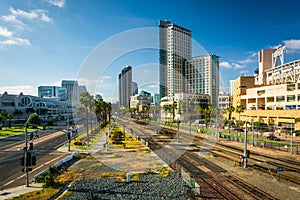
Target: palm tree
x: 239, y: 109
x: 4, y: 116
x: 85, y: 101
x: 230, y: 109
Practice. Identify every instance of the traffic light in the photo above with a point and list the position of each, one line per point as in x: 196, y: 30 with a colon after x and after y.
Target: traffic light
x: 33, y: 160
x: 28, y: 159
x: 30, y: 146
x: 69, y: 135
x: 22, y: 159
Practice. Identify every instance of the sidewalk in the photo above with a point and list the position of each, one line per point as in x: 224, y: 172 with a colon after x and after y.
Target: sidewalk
x: 17, y: 191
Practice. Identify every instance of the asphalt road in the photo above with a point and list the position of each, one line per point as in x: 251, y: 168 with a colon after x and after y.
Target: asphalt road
x: 45, y: 149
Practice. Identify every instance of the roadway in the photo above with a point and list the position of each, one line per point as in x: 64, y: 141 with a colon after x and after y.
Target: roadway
x: 44, y: 147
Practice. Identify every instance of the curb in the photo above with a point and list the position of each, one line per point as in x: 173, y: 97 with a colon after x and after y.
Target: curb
x: 56, y: 164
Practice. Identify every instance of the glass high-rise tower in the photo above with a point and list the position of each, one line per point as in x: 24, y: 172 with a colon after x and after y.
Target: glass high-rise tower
x: 125, y: 86
x: 174, y: 50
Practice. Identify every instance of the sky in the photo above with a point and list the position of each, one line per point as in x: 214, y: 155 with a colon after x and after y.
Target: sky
x: 45, y: 41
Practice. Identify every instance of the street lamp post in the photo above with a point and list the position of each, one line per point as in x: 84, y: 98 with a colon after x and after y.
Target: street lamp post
x: 252, y: 131
x: 245, y: 146
x: 291, y: 150
x: 26, y: 163
x: 26, y: 153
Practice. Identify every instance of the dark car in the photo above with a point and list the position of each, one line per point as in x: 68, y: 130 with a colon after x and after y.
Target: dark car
x: 272, y: 137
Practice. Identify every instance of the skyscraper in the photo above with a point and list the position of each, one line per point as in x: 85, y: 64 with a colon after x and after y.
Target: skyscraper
x: 72, y: 91
x: 202, y: 76
x: 135, y: 89
x: 174, y: 50
x: 125, y: 86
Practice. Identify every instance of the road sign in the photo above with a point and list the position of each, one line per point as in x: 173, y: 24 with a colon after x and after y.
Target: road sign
x: 279, y: 170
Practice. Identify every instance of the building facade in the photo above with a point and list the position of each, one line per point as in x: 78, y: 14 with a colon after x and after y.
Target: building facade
x: 52, y: 92
x: 174, y: 50
x: 183, y: 106
x: 202, y: 76
x: 21, y: 106
x: 72, y: 91
x: 231, y: 87
x: 125, y: 86
x: 224, y: 101
x: 272, y: 95
x: 135, y: 89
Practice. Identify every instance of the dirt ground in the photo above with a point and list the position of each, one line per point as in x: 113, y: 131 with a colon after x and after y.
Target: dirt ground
x: 267, y: 182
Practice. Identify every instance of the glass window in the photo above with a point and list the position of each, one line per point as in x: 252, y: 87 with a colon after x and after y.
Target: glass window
x: 280, y: 98
x: 290, y: 98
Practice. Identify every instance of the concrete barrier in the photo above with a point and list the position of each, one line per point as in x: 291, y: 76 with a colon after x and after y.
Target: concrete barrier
x: 66, y: 159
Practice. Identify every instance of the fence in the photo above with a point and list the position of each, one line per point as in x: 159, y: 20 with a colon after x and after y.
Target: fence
x: 282, y: 146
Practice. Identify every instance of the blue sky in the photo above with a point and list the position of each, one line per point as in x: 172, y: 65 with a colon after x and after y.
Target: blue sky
x: 45, y: 41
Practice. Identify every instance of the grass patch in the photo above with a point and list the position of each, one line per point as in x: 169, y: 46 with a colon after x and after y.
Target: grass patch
x: 15, y: 130
x: 45, y: 193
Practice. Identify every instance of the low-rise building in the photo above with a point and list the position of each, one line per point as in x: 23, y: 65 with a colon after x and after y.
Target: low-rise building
x: 21, y: 106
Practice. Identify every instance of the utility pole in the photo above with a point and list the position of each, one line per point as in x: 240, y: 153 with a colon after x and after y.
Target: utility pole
x: 217, y: 133
x: 245, y: 147
x: 26, y: 154
x: 252, y: 131
x: 68, y: 132
x: 291, y: 150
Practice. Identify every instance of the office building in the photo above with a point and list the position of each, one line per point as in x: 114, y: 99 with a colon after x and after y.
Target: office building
x: 231, y: 87
x: 135, y: 89
x: 52, y: 92
x: 174, y: 50
x: 125, y: 86
x: 72, y: 91
x: 202, y: 76
x: 81, y: 89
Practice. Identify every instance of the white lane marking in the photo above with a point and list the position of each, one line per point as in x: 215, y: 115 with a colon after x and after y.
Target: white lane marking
x: 34, y: 170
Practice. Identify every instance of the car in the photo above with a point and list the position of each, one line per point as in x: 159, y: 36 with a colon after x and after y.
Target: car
x: 272, y: 137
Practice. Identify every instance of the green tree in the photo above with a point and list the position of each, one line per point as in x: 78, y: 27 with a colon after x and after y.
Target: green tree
x: 34, y: 119
x: 239, y: 109
x: 85, y: 101
x: 103, y: 110
x: 4, y: 116
x: 230, y: 109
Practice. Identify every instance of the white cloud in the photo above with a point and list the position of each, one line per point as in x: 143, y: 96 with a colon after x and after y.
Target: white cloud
x: 26, y: 89
x: 33, y: 14
x: 292, y: 44
x: 247, y: 60
x: 58, y: 3
x: 225, y: 64
x: 237, y: 66
x: 106, y: 77
x: 21, y: 13
x: 13, y: 20
x: 15, y: 41
x: 244, y: 72
x: 45, y: 18
x: 4, y: 32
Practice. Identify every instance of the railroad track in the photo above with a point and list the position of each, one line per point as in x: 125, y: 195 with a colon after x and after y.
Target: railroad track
x: 248, y: 188
x: 211, y: 187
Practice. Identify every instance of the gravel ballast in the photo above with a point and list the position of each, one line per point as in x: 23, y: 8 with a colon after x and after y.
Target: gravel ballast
x: 148, y: 187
